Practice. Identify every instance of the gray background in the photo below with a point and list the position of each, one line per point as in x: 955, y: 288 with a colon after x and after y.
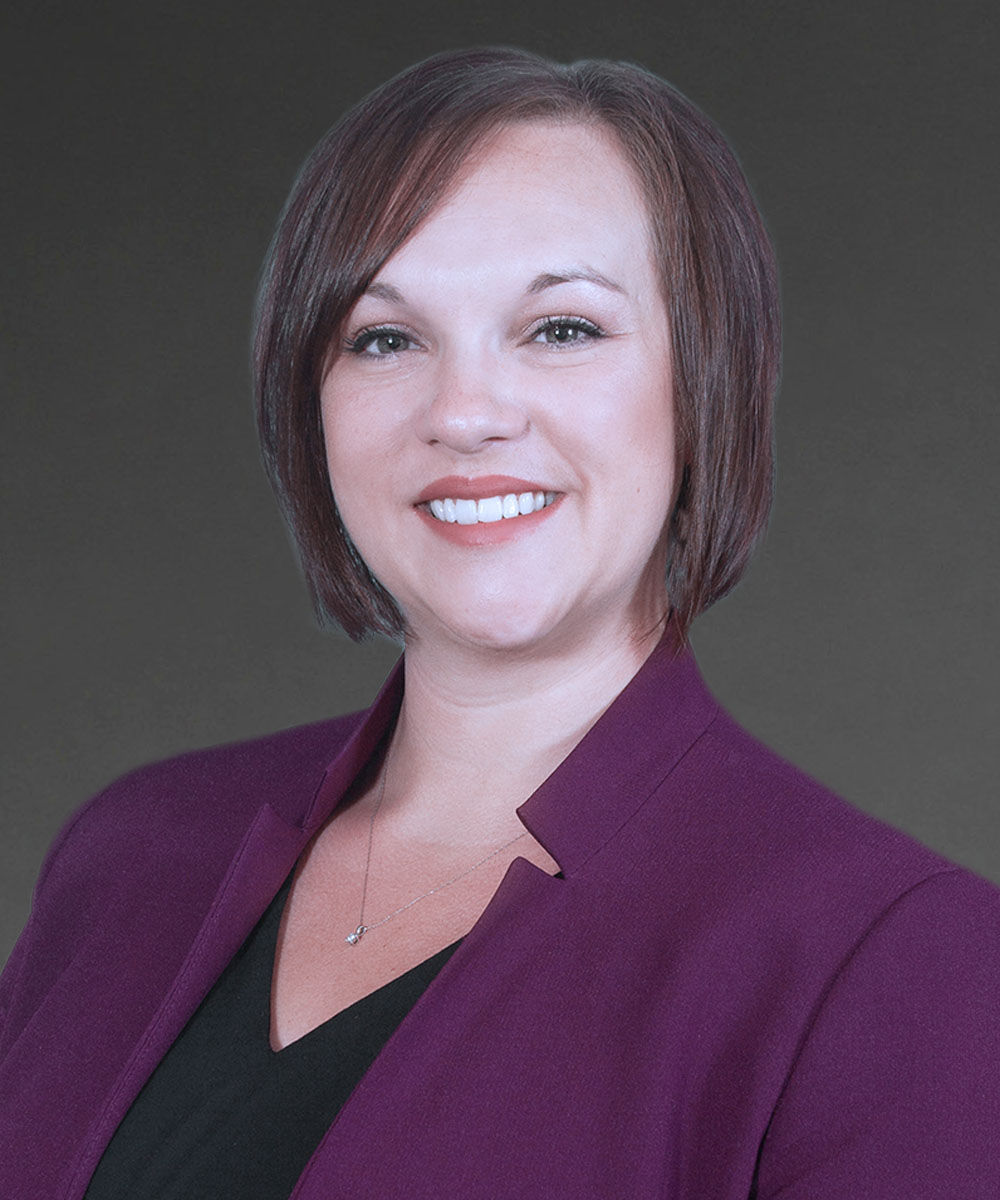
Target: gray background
x: 151, y: 600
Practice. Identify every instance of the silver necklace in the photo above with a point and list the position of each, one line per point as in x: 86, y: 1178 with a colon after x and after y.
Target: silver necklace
x: 352, y: 939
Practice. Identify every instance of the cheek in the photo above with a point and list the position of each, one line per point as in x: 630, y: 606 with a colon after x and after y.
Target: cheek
x: 364, y: 459
x: 652, y: 418
x: 346, y: 454
x: 647, y: 457
x: 367, y: 419
x: 630, y: 423
x: 351, y: 440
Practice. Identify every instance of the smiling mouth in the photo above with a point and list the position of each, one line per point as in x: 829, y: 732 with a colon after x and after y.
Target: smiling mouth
x: 489, y: 509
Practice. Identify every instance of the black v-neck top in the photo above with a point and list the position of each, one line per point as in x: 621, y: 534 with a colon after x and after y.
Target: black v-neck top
x: 224, y: 1115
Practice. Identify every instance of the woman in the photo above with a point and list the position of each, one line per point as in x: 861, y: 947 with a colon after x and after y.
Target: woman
x: 543, y: 921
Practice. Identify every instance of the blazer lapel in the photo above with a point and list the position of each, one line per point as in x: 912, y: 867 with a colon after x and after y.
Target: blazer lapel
x: 265, y: 857
x: 276, y: 837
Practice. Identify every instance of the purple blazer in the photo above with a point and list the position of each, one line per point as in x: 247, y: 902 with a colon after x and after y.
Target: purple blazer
x: 742, y: 986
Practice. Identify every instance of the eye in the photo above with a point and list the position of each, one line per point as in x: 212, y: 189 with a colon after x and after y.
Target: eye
x: 382, y: 341
x: 565, y: 331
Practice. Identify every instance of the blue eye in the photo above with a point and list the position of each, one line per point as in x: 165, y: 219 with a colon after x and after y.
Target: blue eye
x: 380, y: 342
x: 565, y: 331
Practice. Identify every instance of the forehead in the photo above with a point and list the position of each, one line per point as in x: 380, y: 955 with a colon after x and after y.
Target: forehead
x: 569, y: 159
x: 536, y: 191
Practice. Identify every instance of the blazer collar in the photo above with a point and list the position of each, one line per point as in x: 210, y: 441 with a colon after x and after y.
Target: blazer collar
x: 623, y: 758
x: 602, y: 782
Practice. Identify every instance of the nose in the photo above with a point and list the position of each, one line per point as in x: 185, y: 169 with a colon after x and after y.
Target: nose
x: 472, y: 404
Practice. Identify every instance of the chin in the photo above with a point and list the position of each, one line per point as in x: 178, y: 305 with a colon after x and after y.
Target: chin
x: 532, y: 627
x: 482, y: 624
x: 509, y: 637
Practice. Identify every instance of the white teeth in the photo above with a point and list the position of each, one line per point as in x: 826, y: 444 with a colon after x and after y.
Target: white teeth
x: 491, y: 508
x: 466, y: 512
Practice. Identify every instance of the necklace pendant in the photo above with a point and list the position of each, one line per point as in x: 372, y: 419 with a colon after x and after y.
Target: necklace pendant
x: 352, y: 939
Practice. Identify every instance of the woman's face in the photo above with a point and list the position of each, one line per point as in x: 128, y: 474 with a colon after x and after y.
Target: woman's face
x: 513, y: 357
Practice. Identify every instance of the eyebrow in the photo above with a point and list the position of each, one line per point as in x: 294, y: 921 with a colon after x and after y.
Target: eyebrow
x: 547, y: 279
x: 571, y: 275
x: 384, y: 291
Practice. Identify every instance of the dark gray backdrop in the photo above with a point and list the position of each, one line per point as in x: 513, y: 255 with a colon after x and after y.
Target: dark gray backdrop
x: 151, y: 601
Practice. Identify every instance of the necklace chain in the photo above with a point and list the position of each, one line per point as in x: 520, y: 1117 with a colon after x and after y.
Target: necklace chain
x: 352, y: 939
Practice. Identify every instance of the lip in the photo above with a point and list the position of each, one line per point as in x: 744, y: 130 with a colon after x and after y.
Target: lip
x: 480, y: 487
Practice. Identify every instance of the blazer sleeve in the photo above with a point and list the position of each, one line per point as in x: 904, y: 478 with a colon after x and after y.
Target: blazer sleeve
x: 895, y: 1091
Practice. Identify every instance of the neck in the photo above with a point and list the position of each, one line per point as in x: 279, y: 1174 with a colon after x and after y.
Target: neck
x: 480, y: 729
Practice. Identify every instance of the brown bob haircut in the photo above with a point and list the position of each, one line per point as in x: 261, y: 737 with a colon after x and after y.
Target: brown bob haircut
x: 382, y: 170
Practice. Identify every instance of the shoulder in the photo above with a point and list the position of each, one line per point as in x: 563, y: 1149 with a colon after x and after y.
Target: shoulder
x: 776, y: 861
x: 792, y: 824
x: 875, y: 959
x: 193, y: 801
